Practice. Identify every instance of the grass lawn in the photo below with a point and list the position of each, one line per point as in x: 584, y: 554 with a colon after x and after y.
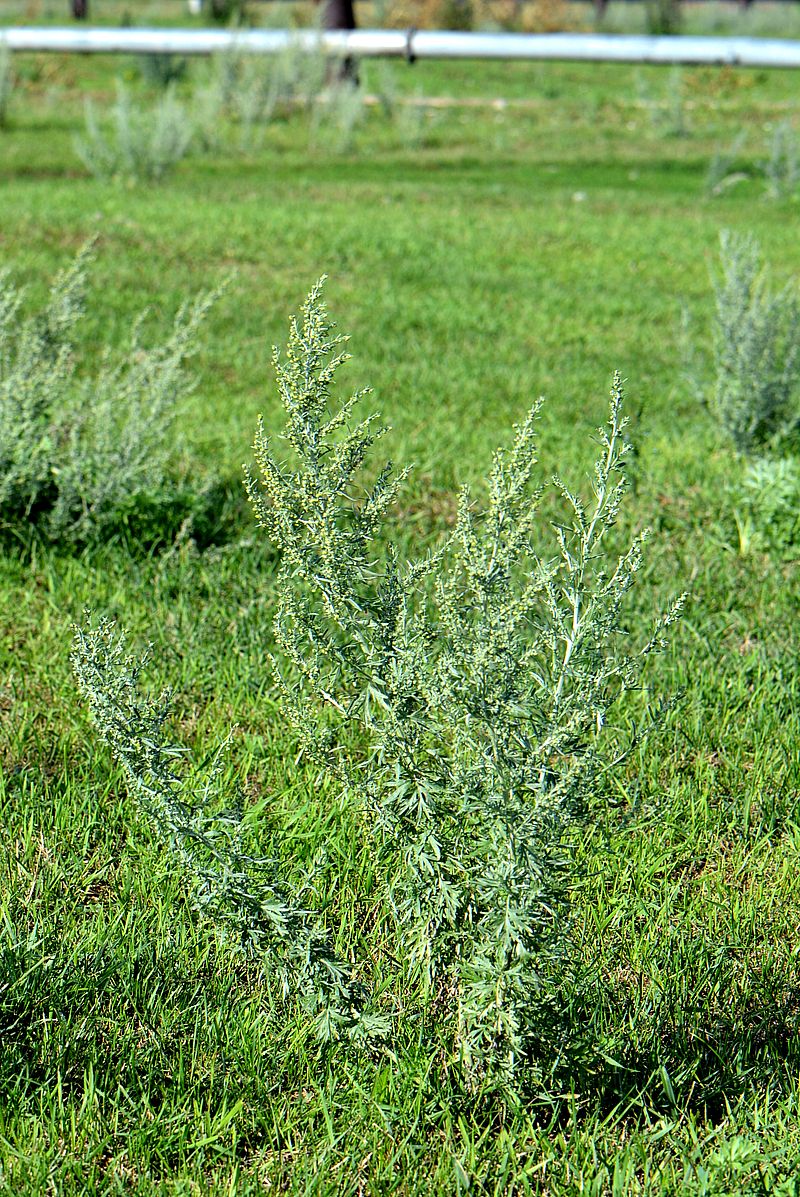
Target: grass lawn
x: 515, y: 249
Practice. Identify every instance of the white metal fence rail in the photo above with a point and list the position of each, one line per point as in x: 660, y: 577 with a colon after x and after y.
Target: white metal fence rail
x: 416, y: 43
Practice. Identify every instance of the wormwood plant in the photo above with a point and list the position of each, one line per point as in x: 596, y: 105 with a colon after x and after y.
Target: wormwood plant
x: 242, y: 895
x: 84, y: 454
x: 244, y: 93
x: 756, y: 347
x: 782, y: 167
x: 337, y: 115
x: 238, y: 88
x: 298, y: 75
x: 409, y: 115
x: 140, y: 144
x: 6, y: 82
x: 458, y: 699
x: 667, y: 109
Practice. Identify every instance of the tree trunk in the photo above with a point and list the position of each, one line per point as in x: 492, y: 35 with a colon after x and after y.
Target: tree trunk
x: 339, y: 14
x: 80, y: 9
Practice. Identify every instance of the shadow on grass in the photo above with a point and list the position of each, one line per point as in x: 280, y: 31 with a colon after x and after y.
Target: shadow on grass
x: 147, y: 526
x: 126, y: 1008
x: 700, y: 1054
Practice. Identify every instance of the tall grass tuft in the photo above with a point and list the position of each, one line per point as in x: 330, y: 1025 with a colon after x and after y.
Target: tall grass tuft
x: 756, y: 346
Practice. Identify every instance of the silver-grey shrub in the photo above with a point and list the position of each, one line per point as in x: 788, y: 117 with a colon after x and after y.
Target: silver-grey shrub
x: 84, y: 447
x: 457, y: 699
x: 336, y: 116
x: 782, y: 167
x: 35, y: 359
x: 244, y: 93
x: 6, y: 82
x: 756, y: 349
x: 136, y: 143
x: 298, y: 75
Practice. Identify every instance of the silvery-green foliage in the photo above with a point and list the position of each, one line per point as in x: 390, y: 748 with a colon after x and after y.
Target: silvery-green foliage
x: 259, y: 88
x: 676, y: 123
x: 245, y: 92
x: 6, y: 81
x: 411, y: 119
x: 253, y: 99
x: 137, y: 143
x: 458, y: 699
x: 767, y: 506
x: 242, y: 895
x: 207, y: 104
x: 725, y: 169
x: 118, y: 448
x: 409, y: 115
x: 666, y: 107
x: 384, y: 84
x: 299, y: 73
x: 36, y: 370
x: 756, y: 346
x: 782, y: 167
x: 337, y: 114
x: 82, y: 451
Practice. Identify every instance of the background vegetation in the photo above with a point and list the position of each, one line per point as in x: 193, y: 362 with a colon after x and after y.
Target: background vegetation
x: 545, y: 225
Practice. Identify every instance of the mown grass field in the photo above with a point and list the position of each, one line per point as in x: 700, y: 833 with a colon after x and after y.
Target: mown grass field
x: 521, y: 248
